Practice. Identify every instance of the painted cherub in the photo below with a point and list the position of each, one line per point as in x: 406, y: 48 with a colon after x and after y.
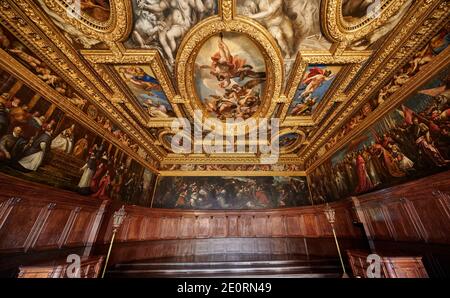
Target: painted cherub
x: 18, y: 50
x: 4, y: 40
x: 46, y: 75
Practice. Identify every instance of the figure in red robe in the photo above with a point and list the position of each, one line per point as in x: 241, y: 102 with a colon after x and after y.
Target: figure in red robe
x: 262, y: 197
x: 99, y: 173
x: 364, y: 183
x: 103, y: 186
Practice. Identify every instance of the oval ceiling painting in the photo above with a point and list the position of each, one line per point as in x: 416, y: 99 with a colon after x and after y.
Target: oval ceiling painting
x: 230, y: 76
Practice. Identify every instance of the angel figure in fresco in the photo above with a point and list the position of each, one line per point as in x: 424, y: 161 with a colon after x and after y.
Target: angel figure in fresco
x: 225, y: 67
x: 139, y: 78
x: 146, y: 26
x: 315, y: 78
x: 18, y: 50
x: 238, y: 101
x: 273, y: 17
x: 304, y: 106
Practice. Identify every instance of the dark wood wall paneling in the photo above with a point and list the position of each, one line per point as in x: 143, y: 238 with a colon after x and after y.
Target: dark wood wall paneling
x: 36, y: 220
x: 39, y: 222
x: 411, y: 219
x: 143, y: 224
x: 417, y: 211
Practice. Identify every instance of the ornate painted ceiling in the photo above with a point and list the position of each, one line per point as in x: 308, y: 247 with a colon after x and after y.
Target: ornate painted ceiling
x: 324, y: 68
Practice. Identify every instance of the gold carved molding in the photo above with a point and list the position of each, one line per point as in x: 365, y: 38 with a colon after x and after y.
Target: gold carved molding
x: 116, y: 28
x: 151, y: 58
x: 338, y: 30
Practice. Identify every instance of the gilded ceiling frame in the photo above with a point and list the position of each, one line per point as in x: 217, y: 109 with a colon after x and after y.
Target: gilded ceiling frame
x: 151, y: 58
x: 350, y: 61
x: 116, y: 28
x: 211, y: 26
x: 109, y: 98
x: 291, y: 148
x: 338, y: 30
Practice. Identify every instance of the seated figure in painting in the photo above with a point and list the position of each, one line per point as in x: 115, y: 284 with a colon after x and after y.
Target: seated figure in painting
x: 11, y: 145
x: 64, y: 141
x: 35, y: 154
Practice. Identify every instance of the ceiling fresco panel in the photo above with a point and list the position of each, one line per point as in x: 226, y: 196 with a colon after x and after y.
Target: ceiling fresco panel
x: 313, y: 88
x: 293, y: 23
x: 163, y: 24
x: 148, y: 91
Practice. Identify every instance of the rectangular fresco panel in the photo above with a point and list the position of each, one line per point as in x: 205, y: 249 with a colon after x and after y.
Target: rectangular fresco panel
x: 315, y: 84
x: 411, y: 141
x: 147, y: 89
x: 294, y: 24
x: 231, y: 192
x: 163, y: 24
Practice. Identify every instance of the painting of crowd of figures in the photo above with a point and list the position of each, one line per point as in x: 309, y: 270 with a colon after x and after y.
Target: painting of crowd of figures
x: 231, y: 192
x: 39, y: 143
x: 411, y: 141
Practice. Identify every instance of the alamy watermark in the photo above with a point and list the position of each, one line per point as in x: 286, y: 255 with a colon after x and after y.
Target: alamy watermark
x: 374, y: 269
x: 74, y: 268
